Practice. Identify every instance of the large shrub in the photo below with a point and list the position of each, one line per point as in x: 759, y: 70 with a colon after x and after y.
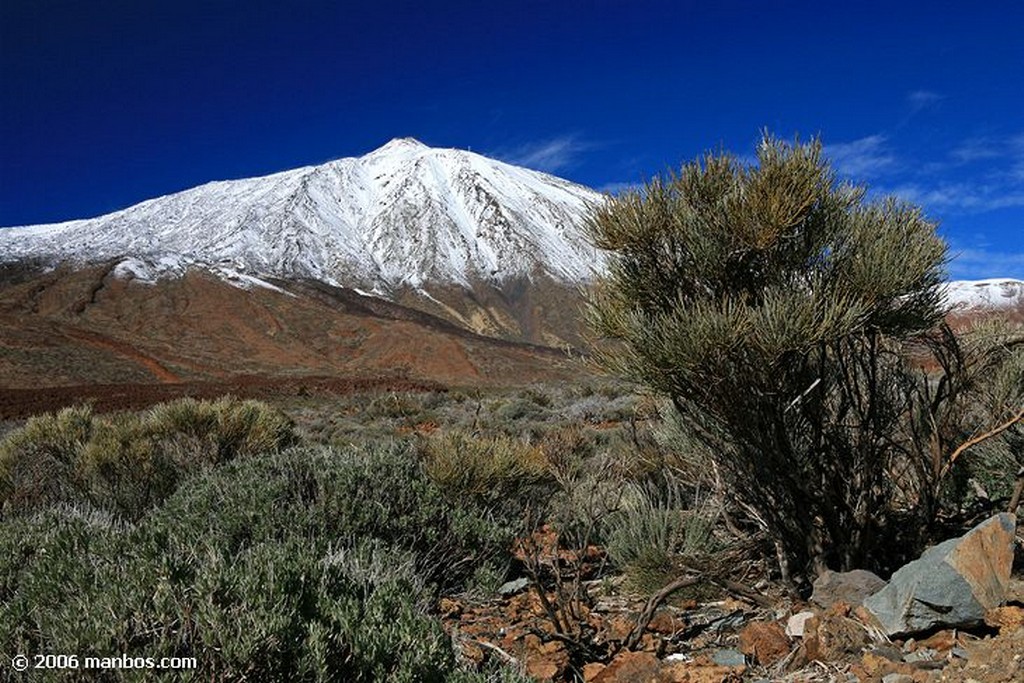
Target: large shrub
x: 771, y: 303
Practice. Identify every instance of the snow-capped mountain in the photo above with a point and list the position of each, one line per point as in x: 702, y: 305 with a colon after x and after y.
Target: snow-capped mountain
x: 493, y: 247
x: 991, y: 294
x: 403, y: 216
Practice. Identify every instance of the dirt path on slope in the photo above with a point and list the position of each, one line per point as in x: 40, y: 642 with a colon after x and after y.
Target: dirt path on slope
x: 127, y: 351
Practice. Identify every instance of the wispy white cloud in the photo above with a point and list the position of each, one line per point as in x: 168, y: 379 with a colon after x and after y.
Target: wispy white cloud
x: 549, y: 155
x: 973, y: 175
x: 973, y: 264
x: 919, y: 99
x: 620, y: 187
x: 1017, y: 155
x: 867, y: 157
x: 977, y: 149
x: 970, y: 197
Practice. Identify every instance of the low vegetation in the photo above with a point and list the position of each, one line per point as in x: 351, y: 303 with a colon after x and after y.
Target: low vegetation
x: 127, y: 464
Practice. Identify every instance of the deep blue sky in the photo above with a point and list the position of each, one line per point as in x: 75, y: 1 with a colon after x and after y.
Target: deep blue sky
x: 105, y: 103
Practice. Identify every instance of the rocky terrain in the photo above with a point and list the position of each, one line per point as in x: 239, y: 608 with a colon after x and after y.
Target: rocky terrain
x: 956, y: 614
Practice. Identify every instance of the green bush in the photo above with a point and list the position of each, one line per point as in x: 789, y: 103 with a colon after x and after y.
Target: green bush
x: 653, y: 531
x: 38, y: 462
x: 334, y: 496
x: 129, y: 463
x: 306, y: 565
x: 494, y: 470
x: 774, y: 304
x: 218, y: 431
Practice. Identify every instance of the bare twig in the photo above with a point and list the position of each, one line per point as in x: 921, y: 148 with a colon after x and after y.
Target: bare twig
x: 1018, y: 489
x: 741, y: 590
x: 652, y: 605
x: 978, y: 439
x: 509, y: 659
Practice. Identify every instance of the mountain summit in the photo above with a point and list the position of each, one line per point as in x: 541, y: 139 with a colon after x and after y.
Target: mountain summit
x: 403, y: 216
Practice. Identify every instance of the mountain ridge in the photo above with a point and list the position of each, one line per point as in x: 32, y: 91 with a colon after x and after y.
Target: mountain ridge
x: 402, y: 215
x: 493, y: 247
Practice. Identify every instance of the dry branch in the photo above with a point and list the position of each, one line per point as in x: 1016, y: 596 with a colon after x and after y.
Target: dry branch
x: 974, y: 441
x: 652, y: 605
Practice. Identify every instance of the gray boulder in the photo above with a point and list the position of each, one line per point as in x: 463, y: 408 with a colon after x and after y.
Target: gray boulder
x: 850, y: 587
x: 952, y: 584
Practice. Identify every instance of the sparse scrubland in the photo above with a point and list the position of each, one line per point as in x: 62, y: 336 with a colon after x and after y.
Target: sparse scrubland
x: 797, y: 397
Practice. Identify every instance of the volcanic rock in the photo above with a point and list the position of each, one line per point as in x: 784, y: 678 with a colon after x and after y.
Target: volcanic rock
x: 951, y: 584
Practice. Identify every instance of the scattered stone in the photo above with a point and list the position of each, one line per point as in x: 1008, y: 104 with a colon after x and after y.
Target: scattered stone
x: 889, y: 652
x: 591, y: 671
x: 850, y: 587
x: 960, y: 652
x: 993, y: 660
x: 665, y: 623
x: 952, y: 584
x: 546, y: 661
x: 729, y: 657
x: 897, y: 678
x: 832, y: 636
x: 876, y: 666
x: 923, y: 655
x: 941, y: 641
x: 795, y: 625
x: 765, y: 641
x: 1007, y: 619
x: 512, y: 587
x: 701, y: 670
x: 628, y: 667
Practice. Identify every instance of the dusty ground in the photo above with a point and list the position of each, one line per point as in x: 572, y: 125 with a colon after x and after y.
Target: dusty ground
x: 21, y: 403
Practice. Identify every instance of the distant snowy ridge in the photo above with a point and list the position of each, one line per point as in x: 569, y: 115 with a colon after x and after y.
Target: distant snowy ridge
x: 402, y: 215
x: 995, y: 293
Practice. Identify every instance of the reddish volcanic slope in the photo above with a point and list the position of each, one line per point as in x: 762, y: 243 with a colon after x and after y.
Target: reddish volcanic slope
x: 67, y: 329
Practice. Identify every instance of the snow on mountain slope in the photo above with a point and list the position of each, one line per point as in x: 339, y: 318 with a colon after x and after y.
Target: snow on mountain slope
x: 403, y: 215
x: 996, y: 293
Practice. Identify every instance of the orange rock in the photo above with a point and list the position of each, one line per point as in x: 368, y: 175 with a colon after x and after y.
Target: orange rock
x: 1007, y: 619
x: 543, y: 669
x: 545, y: 661
x: 665, y: 622
x: 765, y: 641
x: 590, y: 671
x: 941, y: 641
x: 650, y: 643
x: 631, y: 667
x: 878, y: 666
x: 618, y: 627
x: 700, y: 670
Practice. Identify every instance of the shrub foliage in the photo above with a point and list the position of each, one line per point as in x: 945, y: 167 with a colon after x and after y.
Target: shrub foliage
x: 128, y: 463
x: 310, y: 564
x: 772, y: 304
